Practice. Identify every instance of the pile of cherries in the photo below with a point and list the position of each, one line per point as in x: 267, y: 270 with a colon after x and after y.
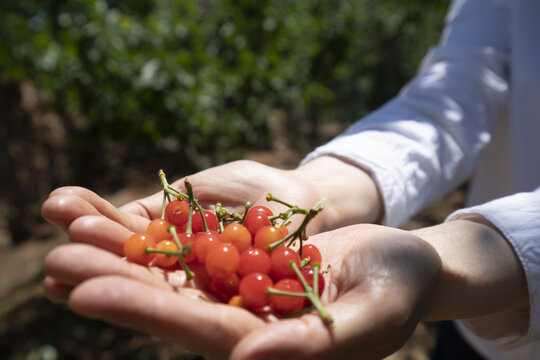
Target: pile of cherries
x: 248, y: 258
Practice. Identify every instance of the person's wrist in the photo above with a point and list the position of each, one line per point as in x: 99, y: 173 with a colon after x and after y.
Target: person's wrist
x: 481, y: 274
x: 351, y: 194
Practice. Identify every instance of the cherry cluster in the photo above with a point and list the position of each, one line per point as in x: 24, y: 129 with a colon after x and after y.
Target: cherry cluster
x: 249, y: 259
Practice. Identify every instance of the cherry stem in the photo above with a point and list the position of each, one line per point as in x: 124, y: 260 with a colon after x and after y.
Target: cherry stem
x: 312, y: 293
x: 150, y: 250
x: 305, y: 262
x: 297, y: 313
x: 291, y: 235
x: 316, y: 269
x: 246, y: 208
x: 301, y: 277
x: 192, y: 199
x: 301, y: 231
x: 272, y: 291
x: 168, y: 189
x: 189, y: 273
x: 164, y: 205
x: 270, y: 197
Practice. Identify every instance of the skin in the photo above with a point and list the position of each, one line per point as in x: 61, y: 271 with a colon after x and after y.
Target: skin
x: 382, y: 283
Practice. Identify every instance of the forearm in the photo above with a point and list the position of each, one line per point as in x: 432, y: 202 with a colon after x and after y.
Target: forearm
x: 351, y: 195
x: 481, y: 273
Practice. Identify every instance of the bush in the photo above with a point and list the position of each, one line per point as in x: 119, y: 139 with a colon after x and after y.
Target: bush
x: 204, y: 76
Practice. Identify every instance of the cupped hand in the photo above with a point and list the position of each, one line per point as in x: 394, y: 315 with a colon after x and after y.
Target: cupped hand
x: 378, y: 290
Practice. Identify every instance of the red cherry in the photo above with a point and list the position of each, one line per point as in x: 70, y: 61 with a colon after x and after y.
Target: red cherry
x: 284, y: 303
x: 255, y: 221
x: 308, y: 273
x: 260, y: 209
x: 311, y: 251
x: 280, y: 259
x: 177, y: 212
x: 135, y: 248
x: 254, y: 260
x: 211, y: 221
x: 267, y: 235
x: 162, y: 260
x: 238, y: 235
x: 224, y: 289
x: 222, y: 260
x: 188, y: 240
x: 203, y: 243
x: 159, y: 229
x: 253, y: 290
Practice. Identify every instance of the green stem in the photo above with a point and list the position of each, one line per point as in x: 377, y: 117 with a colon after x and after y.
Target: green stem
x: 168, y: 189
x: 163, y: 205
x: 301, y: 277
x: 305, y: 262
x: 312, y: 293
x: 246, y: 208
x: 324, y: 315
x: 187, y: 270
x: 272, y: 291
x: 192, y: 199
x: 150, y: 250
x: 270, y: 197
x: 316, y: 269
x: 301, y: 231
x: 274, y: 245
x: 297, y: 313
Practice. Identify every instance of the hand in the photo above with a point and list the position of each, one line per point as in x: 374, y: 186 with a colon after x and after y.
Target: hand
x: 378, y: 290
x: 371, y: 265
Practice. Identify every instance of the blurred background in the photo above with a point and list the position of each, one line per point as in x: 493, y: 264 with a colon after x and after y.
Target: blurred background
x: 102, y: 94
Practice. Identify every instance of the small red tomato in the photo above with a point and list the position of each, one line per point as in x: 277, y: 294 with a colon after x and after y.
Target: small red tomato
x: 164, y: 260
x: 211, y: 221
x: 254, y: 260
x: 267, y: 235
x: 222, y: 260
x: 284, y: 303
x: 255, y: 221
x: 238, y: 235
x: 135, y: 248
x: 253, y: 290
x: 159, y: 229
x: 280, y: 259
x: 311, y: 251
x: 177, y: 212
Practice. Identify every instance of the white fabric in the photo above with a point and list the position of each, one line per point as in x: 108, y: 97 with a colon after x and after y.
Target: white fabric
x: 472, y: 110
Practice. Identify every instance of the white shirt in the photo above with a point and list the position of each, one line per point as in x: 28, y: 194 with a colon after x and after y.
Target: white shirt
x: 473, y: 110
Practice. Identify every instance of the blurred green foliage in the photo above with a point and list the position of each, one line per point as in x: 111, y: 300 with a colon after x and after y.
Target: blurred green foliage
x: 207, y: 75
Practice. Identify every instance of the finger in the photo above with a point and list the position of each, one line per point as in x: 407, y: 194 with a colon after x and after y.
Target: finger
x: 101, y: 232
x: 56, y: 291
x: 67, y: 203
x: 358, y: 332
x: 202, y: 327
x: 72, y: 264
x: 61, y: 210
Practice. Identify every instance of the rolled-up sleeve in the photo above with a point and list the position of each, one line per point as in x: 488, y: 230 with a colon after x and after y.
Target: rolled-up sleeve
x: 426, y: 141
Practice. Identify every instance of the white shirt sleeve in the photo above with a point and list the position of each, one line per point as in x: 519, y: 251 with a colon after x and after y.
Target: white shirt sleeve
x: 518, y: 218
x: 427, y: 140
